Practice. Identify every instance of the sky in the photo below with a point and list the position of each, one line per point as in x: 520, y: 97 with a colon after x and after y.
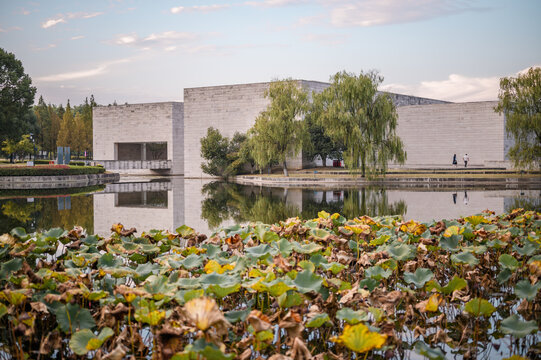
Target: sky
x: 132, y: 51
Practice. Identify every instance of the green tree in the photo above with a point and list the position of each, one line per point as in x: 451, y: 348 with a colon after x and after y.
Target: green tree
x: 16, y: 99
x: 279, y: 131
x: 321, y: 145
x: 67, y: 128
x: 214, y: 149
x: 520, y: 102
x: 354, y: 114
x: 20, y: 148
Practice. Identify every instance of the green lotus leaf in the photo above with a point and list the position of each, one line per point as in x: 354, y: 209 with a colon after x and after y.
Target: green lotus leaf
x: 14, y: 297
x: 138, y: 258
x: 318, y: 259
x: 3, y: 310
x: 529, y: 248
x: 90, y: 240
x: 369, y: 283
x: 307, y: 281
x: 380, y: 240
x: 476, y: 220
x: 150, y: 249
x: 148, y: 312
x: 159, y: 287
x: 192, y: 261
x: 9, y: 267
x: 419, y: 277
x: 465, y: 257
x: 478, y: 307
x: 320, y: 234
x: 144, y: 270
x: 238, y: 315
x: 20, y: 233
x: 333, y: 267
x: 476, y: 249
x: 109, y: 260
x: 339, y: 284
x: 351, y: 316
x: 456, y: 283
x: 433, y: 354
x: 55, y: 233
x: 84, y: 340
x: 289, y: 299
x: 96, y: 295
x: 525, y: 290
x: 188, y: 283
x: 450, y: 243
x: 518, y: 328
x: 260, y: 251
x: 318, y: 320
x: 185, y: 231
x: 71, y: 317
x: 309, y: 248
x: 222, y: 292
x: 377, y: 273
x: 508, y: 262
x: 223, y: 280
x: 285, y: 247
x: 504, y: 275
x: 307, y: 265
x: 452, y: 230
x: 401, y: 252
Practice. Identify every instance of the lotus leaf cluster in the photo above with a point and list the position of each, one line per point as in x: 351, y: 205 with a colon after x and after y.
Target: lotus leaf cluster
x: 326, y: 288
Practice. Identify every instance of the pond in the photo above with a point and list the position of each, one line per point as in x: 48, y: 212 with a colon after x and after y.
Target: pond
x: 167, y: 203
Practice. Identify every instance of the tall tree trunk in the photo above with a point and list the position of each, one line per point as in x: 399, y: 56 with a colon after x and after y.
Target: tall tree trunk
x: 286, y: 174
x: 324, y: 159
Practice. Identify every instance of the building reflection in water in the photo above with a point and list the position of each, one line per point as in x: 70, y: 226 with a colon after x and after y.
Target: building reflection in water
x: 207, y: 206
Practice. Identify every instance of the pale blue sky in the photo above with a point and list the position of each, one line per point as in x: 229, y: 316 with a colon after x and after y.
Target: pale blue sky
x: 144, y: 51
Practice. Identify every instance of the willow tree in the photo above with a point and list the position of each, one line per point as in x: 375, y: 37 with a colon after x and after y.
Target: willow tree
x: 520, y: 101
x: 353, y: 113
x: 279, y: 131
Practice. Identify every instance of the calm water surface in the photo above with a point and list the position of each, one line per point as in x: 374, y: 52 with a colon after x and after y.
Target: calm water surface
x: 207, y: 206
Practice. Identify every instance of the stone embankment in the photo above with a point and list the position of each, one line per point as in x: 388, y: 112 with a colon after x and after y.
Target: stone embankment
x: 52, y: 182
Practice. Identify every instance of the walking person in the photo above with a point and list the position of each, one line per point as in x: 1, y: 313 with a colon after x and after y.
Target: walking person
x: 466, y: 159
x: 454, y: 160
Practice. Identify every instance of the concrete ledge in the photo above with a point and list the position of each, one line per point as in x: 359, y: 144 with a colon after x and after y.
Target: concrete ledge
x: 52, y: 182
x: 534, y: 182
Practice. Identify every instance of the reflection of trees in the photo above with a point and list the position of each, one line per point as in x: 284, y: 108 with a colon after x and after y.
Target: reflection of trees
x: 525, y: 203
x: 241, y: 203
x: 20, y: 211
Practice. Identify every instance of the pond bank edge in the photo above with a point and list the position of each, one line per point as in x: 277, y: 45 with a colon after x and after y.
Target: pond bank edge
x: 52, y: 182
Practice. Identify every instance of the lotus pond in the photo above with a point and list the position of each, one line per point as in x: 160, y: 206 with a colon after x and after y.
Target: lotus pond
x: 324, y: 288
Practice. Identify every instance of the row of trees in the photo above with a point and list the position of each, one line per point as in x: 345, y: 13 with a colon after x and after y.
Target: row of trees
x: 350, y: 120
x: 50, y: 125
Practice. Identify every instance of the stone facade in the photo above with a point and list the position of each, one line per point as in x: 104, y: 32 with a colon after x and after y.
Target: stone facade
x: 433, y: 133
x: 432, y: 130
x: 140, y: 123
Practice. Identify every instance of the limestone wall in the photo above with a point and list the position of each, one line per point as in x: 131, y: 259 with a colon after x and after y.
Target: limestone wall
x: 433, y: 133
x: 134, y: 123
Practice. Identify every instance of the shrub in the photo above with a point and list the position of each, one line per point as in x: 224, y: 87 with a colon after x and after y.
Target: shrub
x: 50, y: 170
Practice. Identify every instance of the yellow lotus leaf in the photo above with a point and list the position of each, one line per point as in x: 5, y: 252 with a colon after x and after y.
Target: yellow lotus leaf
x: 358, y: 338
x: 117, y: 228
x: 203, y: 312
x: 453, y: 230
x: 535, y: 267
x: 359, y: 229
x: 431, y: 304
x: 214, y: 266
x: 365, y: 220
x: 412, y: 227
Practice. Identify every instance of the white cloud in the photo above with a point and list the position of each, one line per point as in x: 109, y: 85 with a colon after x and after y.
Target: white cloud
x: 456, y: 88
x: 165, y: 40
x: 52, y: 22
x: 77, y: 37
x: 98, y: 70
x: 274, y: 3
x: 199, y: 8
x: 365, y: 13
x: 61, y: 18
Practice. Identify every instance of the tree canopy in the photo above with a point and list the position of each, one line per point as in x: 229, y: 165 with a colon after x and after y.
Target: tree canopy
x: 279, y: 131
x: 224, y: 157
x: 16, y: 98
x: 520, y: 101
x: 353, y: 113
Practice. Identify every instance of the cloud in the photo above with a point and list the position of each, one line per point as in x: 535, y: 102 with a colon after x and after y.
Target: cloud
x: 98, y: 70
x: 199, y: 8
x: 61, y: 18
x: 52, y: 22
x: 382, y: 12
x: 166, y: 40
x: 77, y: 37
x: 274, y: 3
x: 458, y: 88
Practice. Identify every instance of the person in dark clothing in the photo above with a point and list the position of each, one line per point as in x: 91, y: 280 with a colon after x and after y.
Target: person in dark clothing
x: 454, y: 160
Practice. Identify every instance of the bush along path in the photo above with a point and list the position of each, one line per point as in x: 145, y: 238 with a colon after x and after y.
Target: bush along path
x: 327, y: 288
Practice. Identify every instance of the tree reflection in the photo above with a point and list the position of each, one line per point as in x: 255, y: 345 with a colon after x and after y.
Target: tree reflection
x: 242, y: 203
x: 44, y: 213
